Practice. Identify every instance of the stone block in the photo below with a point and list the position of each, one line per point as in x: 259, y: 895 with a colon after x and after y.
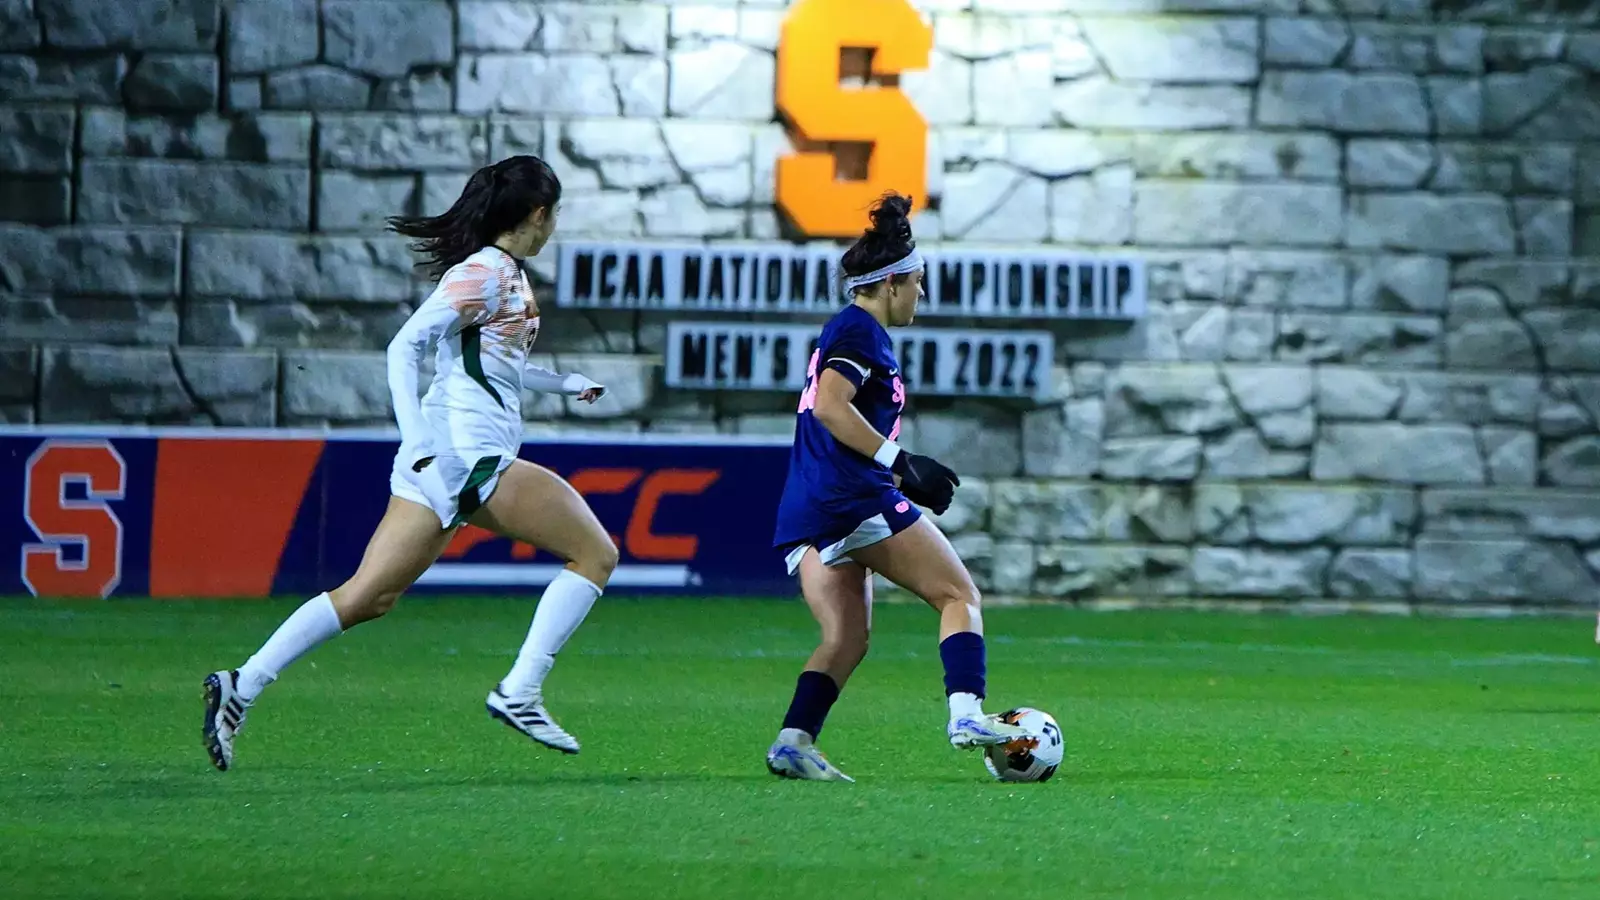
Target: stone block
x: 1407, y: 454
x: 1574, y: 463
x: 1544, y: 227
x: 1229, y: 572
x: 36, y: 199
x: 1315, y: 43
x: 1177, y: 50
x: 1430, y: 223
x: 265, y: 35
x: 238, y: 195
x: 1301, y: 515
x: 92, y: 79
x: 1097, y: 103
x: 1371, y: 574
x: 19, y: 378
x: 173, y: 82
x: 1238, y: 156
x: 570, y: 85
x: 1153, y: 399
x: 721, y: 79
x: 1292, y: 279
x: 1402, y: 284
x: 1210, y: 213
x: 316, y: 87
x: 389, y: 142
x: 1375, y: 103
x: 1568, y: 339
x: 157, y: 386
x: 1063, y: 441
x: 387, y: 38
x: 1547, y: 102
x: 36, y: 140
x: 178, y: 25
x: 41, y: 319
x: 1503, y: 571
x: 240, y: 137
x: 274, y: 267
x: 1095, y: 209
x: 98, y: 261
x: 1455, y: 104
x: 335, y: 388
x: 424, y: 91
x: 1043, y: 511
x: 348, y: 201
x: 1389, y: 340
x: 19, y: 27
x: 981, y: 441
x: 1550, y: 514
x: 1151, y: 459
x: 291, y: 325
x: 1073, y: 571
x: 505, y: 26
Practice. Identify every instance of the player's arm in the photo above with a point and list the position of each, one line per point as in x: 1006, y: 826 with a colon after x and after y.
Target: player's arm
x: 467, y: 296
x: 536, y: 378
x: 924, y: 479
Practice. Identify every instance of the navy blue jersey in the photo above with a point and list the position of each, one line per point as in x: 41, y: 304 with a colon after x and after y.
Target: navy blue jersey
x: 831, y: 489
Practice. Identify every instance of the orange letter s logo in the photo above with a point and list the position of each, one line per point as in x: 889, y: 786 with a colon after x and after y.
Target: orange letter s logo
x: 810, y: 96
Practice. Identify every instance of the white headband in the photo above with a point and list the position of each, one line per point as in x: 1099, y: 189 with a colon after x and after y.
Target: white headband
x: 912, y: 262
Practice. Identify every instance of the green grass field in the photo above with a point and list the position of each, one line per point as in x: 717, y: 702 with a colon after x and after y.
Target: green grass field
x: 1208, y: 756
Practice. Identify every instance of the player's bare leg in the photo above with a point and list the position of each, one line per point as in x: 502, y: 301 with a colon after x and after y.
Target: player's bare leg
x: 535, y: 506
x: 840, y: 598
x: 921, y: 560
x: 406, y: 542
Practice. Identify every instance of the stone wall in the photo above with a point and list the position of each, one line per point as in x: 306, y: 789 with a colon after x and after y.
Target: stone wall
x: 1370, y: 373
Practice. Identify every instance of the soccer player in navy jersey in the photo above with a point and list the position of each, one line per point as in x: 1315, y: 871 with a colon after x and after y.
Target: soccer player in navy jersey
x: 850, y: 506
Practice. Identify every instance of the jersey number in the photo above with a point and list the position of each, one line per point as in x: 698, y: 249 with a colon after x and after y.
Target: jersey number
x: 823, y: 112
x: 89, y: 526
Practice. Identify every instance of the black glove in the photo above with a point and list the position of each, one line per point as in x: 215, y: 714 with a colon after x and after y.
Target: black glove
x: 925, y: 481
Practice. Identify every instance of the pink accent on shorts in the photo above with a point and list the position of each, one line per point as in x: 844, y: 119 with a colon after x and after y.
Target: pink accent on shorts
x: 902, y: 507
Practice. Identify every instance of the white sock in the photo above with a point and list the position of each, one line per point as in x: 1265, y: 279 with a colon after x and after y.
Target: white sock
x: 794, y: 737
x: 561, y: 610
x: 313, y: 623
x: 965, y: 706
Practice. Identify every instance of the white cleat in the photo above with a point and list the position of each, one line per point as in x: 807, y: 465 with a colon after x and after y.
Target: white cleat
x: 528, y: 715
x: 225, y: 711
x: 796, y: 757
x: 968, y: 732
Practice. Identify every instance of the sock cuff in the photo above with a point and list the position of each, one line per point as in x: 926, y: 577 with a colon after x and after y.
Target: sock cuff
x: 569, y: 575
x: 962, y: 639
x: 326, y: 605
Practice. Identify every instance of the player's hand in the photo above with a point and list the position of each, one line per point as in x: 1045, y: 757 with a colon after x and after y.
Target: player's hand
x: 419, y: 450
x: 926, y: 481
x: 590, y: 395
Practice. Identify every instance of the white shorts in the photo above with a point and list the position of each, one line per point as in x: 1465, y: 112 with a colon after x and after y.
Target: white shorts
x: 452, y: 487
x: 872, y: 531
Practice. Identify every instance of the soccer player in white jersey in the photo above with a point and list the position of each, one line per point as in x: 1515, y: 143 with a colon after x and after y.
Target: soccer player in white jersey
x: 457, y: 461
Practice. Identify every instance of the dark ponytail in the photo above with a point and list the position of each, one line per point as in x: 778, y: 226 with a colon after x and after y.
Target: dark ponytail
x: 497, y: 199
x: 887, y: 240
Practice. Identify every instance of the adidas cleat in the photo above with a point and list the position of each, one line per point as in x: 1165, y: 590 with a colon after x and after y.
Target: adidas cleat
x: 528, y: 715
x: 225, y: 711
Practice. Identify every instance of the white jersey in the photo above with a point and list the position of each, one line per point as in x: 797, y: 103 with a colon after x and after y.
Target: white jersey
x: 481, y: 322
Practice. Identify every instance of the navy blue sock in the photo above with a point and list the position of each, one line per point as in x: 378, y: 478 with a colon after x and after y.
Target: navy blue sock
x: 814, y: 695
x: 963, y: 657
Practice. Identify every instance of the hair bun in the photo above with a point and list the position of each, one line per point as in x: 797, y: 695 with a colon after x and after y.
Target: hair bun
x: 891, y: 217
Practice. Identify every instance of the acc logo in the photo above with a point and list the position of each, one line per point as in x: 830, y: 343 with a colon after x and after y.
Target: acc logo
x: 822, y: 112
x: 639, y: 539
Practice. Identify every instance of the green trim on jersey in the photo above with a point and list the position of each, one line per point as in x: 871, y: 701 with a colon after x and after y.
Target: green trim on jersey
x: 472, y: 359
x: 468, y: 501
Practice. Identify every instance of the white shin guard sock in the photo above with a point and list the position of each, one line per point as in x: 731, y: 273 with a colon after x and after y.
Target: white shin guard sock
x: 313, y: 623
x: 562, y: 608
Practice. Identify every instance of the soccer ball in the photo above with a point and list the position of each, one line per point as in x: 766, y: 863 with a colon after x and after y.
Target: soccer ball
x: 1034, y: 758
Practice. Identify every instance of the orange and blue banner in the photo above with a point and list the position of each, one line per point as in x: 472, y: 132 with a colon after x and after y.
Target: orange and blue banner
x: 179, y: 512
